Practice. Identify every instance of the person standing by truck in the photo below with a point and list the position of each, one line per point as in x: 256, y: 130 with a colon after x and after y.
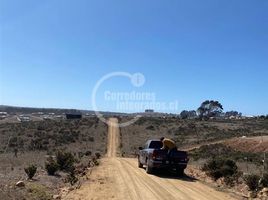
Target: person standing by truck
x: 168, y: 145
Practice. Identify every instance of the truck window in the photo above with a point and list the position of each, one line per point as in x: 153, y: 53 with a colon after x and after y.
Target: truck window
x: 155, y: 145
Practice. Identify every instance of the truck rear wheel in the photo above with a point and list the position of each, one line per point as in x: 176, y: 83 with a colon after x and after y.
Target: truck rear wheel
x: 179, y: 172
x: 149, y: 170
x: 139, y: 163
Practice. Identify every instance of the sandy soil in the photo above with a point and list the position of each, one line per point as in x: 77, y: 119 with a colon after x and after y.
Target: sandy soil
x: 248, y: 144
x: 113, y: 138
x: 251, y: 144
x: 120, y: 178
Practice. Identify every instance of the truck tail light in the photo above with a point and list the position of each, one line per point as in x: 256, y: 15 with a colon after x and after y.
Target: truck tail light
x: 154, y: 155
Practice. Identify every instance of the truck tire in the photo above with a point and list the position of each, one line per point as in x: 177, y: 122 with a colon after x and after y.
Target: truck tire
x: 179, y: 172
x: 139, y: 163
x: 149, y: 170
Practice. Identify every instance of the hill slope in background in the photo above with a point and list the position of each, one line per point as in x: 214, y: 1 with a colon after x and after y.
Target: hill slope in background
x: 57, y: 111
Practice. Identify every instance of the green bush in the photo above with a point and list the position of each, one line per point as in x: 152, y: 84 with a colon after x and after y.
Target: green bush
x: 65, y: 160
x: 51, y: 166
x: 264, y: 180
x: 98, y: 155
x: 229, y: 168
x: 71, y: 177
x: 231, y: 180
x: 252, y: 181
x: 37, y: 144
x: 88, y: 153
x: 212, y: 169
x: 217, y: 168
x: 95, y: 161
x: 13, y: 142
x: 30, y: 171
x: 151, y: 127
x: 220, y: 150
x: 80, y: 154
x: 36, y: 191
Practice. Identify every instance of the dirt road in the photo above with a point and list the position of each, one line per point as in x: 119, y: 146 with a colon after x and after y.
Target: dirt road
x: 113, y: 138
x: 121, y: 179
x: 247, y: 144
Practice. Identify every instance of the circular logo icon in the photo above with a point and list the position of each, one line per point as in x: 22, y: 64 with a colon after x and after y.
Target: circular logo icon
x: 137, y: 80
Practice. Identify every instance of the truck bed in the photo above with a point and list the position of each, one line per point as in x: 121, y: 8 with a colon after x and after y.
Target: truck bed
x: 153, y: 157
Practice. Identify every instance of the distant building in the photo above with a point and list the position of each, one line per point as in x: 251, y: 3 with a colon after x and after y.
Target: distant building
x: 58, y: 116
x: 3, y: 115
x: 73, y: 116
x: 149, y: 110
x: 24, y: 118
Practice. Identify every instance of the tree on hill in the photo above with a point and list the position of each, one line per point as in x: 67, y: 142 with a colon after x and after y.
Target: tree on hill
x: 232, y: 113
x: 188, y: 114
x: 209, y: 108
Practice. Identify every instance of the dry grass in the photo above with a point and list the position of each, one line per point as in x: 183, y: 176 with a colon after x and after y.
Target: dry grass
x: 187, y: 132
x: 38, y: 139
x: 81, y: 137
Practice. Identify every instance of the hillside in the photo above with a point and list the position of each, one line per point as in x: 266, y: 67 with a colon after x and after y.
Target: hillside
x: 187, y: 132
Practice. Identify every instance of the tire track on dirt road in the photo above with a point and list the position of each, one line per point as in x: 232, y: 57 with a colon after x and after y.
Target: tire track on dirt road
x: 113, y: 138
x: 120, y: 179
x: 174, y: 188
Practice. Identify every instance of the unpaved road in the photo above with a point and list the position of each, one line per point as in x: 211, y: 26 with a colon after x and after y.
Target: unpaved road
x: 247, y: 144
x: 121, y: 179
x: 113, y: 138
x: 250, y: 144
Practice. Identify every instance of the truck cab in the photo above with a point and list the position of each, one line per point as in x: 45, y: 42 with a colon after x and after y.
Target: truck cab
x: 153, y: 157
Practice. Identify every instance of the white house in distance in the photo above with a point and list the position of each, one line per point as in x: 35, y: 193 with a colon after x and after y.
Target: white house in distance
x: 24, y: 118
x: 3, y: 115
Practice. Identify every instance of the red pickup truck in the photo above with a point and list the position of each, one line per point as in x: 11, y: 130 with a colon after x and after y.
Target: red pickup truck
x: 153, y: 157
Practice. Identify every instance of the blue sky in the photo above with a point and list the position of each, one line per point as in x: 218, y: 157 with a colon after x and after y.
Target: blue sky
x: 54, y: 52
